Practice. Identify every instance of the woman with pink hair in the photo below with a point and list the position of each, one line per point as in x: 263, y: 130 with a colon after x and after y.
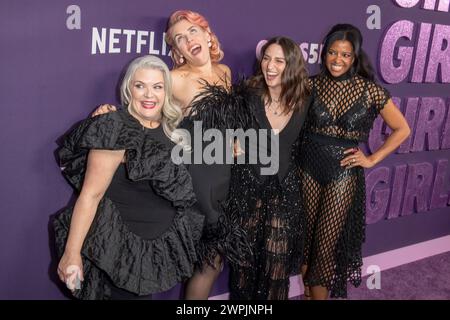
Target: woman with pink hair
x: 196, y: 56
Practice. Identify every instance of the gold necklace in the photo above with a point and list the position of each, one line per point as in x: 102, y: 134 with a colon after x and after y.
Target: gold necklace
x: 273, y: 111
x: 269, y: 107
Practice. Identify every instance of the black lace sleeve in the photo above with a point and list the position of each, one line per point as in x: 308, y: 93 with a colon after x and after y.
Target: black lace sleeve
x: 378, y: 95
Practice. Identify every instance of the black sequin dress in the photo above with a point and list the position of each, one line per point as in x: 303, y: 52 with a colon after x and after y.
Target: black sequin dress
x: 269, y: 209
x: 341, y: 115
x: 145, y: 232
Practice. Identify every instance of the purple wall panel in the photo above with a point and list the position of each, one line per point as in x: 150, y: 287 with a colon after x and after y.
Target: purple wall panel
x: 50, y: 79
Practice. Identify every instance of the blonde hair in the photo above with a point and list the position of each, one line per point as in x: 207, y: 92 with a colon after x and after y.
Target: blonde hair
x: 171, y: 113
x: 196, y: 18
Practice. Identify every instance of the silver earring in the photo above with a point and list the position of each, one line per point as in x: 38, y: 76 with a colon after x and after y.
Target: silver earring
x: 209, y: 43
x: 181, y: 60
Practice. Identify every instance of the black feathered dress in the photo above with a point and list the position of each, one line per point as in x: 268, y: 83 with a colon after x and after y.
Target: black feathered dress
x: 145, y: 232
x: 266, y: 207
x: 216, y: 108
x: 270, y: 211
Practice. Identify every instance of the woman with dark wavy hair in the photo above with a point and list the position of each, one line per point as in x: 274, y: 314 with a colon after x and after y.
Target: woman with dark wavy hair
x: 269, y: 205
x: 345, y: 103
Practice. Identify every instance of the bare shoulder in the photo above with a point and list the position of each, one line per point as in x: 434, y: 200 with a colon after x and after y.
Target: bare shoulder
x: 180, y: 86
x: 224, y: 73
x: 224, y: 68
x: 178, y: 77
x: 179, y: 73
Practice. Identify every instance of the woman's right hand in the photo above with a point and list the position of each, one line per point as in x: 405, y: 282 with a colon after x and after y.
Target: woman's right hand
x: 70, y: 270
x: 104, y: 108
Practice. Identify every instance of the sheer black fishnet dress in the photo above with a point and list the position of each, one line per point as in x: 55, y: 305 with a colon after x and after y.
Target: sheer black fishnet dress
x: 340, y: 116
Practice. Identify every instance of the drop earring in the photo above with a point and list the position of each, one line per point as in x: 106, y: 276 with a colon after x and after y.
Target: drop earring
x: 181, y: 60
x: 209, y: 43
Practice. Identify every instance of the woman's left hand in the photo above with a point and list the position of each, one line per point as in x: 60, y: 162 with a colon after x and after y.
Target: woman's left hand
x: 355, y: 157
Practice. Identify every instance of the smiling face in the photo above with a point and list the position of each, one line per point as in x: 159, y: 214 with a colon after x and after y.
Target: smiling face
x: 191, y: 42
x: 340, y: 57
x: 148, y: 94
x: 273, y: 64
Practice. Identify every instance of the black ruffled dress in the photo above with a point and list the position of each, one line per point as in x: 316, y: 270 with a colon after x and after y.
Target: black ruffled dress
x: 143, y: 238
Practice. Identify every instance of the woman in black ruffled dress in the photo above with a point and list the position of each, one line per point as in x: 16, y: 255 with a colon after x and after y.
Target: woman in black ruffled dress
x: 199, y: 79
x: 345, y: 103
x: 133, y: 230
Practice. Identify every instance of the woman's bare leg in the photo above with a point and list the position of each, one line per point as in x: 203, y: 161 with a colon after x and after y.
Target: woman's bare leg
x: 200, y: 284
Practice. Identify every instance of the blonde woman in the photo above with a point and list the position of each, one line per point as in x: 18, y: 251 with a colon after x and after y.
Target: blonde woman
x: 196, y: 55
x: 133, y: 231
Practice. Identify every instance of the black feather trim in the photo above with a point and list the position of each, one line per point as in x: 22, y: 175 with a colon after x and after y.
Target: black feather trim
x: 220, y: 108
x: 225, y: 238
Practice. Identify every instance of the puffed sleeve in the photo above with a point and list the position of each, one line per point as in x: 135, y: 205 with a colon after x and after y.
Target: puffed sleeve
x: 378, y: 96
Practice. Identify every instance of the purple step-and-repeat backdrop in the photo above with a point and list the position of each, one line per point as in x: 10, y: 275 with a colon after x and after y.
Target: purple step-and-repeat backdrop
x: 60, y: 58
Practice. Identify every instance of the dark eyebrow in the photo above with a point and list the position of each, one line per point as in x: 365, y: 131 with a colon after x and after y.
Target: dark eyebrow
x: 280, y: 58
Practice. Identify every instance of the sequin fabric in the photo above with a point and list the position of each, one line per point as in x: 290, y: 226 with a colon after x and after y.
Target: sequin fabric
x: 269, y: 209
x: 270, y: 212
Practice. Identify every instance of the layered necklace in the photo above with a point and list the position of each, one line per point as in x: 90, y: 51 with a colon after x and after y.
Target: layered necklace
x: 275, y: 111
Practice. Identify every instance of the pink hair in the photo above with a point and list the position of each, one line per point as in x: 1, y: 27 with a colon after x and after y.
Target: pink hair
x: 215, y: 52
